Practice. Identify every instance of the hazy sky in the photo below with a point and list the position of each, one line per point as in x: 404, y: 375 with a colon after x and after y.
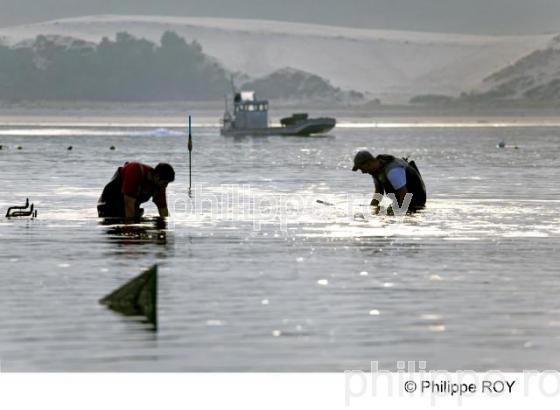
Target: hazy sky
x: 467, y: 16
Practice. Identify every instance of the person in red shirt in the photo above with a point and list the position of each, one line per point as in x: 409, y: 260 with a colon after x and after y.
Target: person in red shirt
x: 132, y: 185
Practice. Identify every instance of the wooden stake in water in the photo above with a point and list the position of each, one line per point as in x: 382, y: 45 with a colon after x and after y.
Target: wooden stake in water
x: 189, y: 145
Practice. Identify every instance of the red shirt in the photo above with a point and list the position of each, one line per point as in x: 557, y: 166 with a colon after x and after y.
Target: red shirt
x: 135, y: 183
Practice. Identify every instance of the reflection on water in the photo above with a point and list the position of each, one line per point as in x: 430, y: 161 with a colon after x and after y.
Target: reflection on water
x: 281, y: 282
x: 138, y: 238
x: 147, y: 231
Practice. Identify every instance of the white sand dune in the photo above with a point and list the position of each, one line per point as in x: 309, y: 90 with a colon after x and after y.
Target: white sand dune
x: 392, y: 65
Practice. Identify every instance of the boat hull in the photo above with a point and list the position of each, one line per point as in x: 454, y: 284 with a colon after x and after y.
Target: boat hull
x: 305, y: 128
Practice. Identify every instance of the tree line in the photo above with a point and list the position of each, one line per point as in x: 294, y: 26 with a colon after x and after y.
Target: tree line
x: 126, y: 69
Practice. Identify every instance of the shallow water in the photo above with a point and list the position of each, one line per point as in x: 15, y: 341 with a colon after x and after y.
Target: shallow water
x: 255, y: 275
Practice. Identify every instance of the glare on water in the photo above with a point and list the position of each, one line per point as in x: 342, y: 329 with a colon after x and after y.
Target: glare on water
x: 256, y: 275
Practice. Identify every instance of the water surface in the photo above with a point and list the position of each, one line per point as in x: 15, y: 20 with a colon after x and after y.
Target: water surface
x: 257, y: 276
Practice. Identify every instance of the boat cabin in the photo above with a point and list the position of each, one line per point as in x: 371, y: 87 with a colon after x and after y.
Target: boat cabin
x: 249, y: 112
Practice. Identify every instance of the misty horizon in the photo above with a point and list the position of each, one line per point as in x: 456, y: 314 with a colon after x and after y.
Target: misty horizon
x: 491, y: 17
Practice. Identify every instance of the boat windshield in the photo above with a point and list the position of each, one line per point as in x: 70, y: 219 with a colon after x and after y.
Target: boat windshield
x: 251, y: 107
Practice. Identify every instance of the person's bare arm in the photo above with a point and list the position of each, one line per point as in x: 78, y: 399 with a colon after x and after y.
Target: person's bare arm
x: 129, y: 207
x: 378, y: 192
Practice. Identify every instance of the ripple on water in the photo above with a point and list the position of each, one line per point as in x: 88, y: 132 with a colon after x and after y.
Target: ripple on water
x: 281, y: 282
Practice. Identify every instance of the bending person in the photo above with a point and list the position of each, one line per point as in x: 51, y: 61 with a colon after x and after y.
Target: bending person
x: 392, y: 176
x: 132, y: 185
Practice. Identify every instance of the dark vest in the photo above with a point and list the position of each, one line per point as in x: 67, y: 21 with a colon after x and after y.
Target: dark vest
x: 414, y: 183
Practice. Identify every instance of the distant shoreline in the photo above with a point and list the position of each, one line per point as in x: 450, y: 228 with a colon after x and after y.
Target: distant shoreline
x: 209, y: 113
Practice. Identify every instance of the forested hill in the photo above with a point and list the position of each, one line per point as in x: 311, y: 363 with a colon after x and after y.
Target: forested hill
x: 126, y: 69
